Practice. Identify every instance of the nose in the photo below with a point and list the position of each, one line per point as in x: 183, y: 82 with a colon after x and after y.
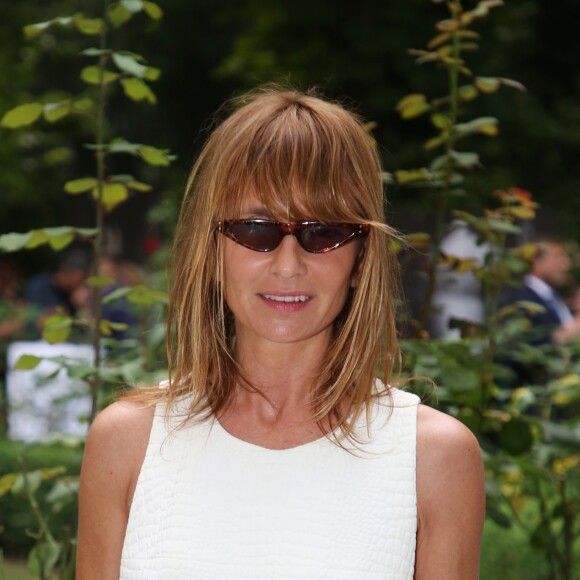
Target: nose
x: 288, y: 258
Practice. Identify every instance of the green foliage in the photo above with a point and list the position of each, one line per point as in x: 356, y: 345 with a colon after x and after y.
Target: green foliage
x: 529, y: 434
x: 51, y: 551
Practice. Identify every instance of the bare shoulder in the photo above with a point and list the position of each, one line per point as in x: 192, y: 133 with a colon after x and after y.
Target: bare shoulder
x: 122, y: 418
x: 114, y: 452
x: 448, y: 454
x: 450, y: 497
x: 440, y: 436
x: 117, y: 441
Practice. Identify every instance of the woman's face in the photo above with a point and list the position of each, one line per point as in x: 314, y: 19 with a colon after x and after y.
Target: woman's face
x: 287, y: 295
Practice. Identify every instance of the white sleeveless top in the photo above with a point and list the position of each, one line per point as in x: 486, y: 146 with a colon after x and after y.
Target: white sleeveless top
x: 210, y: 506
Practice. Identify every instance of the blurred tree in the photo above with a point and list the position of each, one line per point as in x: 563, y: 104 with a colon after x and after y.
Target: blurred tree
x: 211, y: 49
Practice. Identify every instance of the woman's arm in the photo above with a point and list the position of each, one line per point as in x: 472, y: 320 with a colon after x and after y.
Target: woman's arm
x: 450, y: 497
x: 114, y: 453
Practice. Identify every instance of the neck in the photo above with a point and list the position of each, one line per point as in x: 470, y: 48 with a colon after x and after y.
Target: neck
x: 284, y: 375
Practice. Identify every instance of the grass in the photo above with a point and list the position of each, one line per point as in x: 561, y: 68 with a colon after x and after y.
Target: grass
x: 14, y: 570
x: 507, y: 555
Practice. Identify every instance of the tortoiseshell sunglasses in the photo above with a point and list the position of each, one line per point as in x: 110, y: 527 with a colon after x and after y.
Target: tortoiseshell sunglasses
x: 263, y: 235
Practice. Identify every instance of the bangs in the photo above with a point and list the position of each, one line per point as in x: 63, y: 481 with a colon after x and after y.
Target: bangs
x: 299, y: 164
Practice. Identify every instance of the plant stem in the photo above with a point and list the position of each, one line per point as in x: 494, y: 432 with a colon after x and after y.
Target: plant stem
x: 44, y: 531
x: 442, y: 195
x: 100, y: 161
x: 568, y: 533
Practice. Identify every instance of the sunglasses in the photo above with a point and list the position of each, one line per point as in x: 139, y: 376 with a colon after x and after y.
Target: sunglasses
x: 314, y: 237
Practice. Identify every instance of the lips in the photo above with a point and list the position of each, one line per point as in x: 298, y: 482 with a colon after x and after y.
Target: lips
x: 287, y: 299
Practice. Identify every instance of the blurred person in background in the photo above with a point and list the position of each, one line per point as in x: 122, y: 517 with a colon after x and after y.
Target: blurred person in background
x: 549, y: 274
x: 62, y: 289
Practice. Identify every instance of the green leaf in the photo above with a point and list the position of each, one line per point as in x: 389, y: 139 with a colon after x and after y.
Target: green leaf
x: 100, y: 281
x: 31, y: 481
x: 93, y: 51
x: 440, y: 162
x: 27, y: 362
x: 52, y: 472
x: 459, y: 379
x: 80, y: 185
x: 153, y: 10
x: 502, y: 226
x: 118, y: 15
x: 83, y: 105
x: 112, y: 195
x: 21, y: 116
x: 468, y: 92
x: 439, y: 40
x: 37, y: 238
x: 61, y: 490
x: 415, y: 110
x: 440, y: 121
x: 138, y: 186
x: 43, y: 558
x: 85, y: 232
x: 498, y: 517
x: 418, y: 240
x: 141, y: 294
x: 137, y: 90
x: 55, y: 111
x: 479, y: 125
x: 435, y: 142
x: 512, y: 84
x: 88, y: 26
x: 489, y: 130
x: 14, y: 241
x: 92, y: 75
x: 515, y: 436
x: 409, y: 176
x: 465, y: 159
x: 116, y: 294
x: 487, y: 84
x: 58, y: 238
x: 152, y: 74
x: 154, y: 156
x: 133, y: 5
x: 129, y: 65
x: 105, y: 328
x: 120, y: 145
x: 57, y: 155
x: 57, y: 328
x: 33, y: 30
x: 6, y: 483
x: 121, y: 178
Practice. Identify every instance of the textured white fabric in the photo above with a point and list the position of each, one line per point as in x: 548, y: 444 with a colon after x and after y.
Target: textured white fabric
x: 210, y: 506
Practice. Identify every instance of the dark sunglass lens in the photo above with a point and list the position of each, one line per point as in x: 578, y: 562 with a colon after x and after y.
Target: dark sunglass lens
x: 260, y: 236
x: 321, y: 237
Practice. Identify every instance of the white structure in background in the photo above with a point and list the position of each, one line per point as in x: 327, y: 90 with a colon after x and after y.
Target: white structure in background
x: 458, y: 295
x: 39, y: 407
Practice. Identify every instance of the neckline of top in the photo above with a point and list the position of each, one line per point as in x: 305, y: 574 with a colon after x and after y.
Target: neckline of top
x: 245, y: 443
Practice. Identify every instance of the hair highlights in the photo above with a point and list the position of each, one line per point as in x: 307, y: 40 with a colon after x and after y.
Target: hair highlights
x: 303, y: 158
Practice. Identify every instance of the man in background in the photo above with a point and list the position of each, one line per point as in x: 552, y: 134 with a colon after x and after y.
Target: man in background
x: 549, y: 273
x: 49, y: 291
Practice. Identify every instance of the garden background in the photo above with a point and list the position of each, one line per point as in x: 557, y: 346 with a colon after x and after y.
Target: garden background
x: 456, y: 131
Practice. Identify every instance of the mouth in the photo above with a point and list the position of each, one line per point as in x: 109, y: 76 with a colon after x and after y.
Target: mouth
x: 287, y: 299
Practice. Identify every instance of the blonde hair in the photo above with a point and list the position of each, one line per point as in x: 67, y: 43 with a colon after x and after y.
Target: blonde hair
x: 303, y: 157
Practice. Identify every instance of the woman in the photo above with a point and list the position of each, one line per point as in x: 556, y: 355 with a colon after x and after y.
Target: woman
x: 273, y: 452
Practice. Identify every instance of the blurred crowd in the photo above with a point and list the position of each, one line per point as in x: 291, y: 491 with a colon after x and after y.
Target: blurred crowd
x: 27, y: 304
